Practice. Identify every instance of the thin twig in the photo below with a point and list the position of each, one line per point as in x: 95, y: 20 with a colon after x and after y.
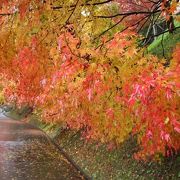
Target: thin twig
x: 162, y: 44
x: 118, y: 32
x: 62, y: 25
x: 110, y: 27
x: 5, y: 14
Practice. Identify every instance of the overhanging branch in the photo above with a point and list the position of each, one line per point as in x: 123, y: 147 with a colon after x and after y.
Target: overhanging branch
x: 156, y: 35
x: 129, y: 14
x: 86, y: 4
x: 5, y: 14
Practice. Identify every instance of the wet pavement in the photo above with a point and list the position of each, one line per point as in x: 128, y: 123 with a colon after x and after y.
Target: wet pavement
x: 26, y: 154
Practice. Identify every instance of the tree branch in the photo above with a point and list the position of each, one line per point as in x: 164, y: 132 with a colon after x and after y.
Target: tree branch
x: 111, y: 27
x: 100, y: 46
x: 5, y: 14
x: 129, y: 14
x: 178, y: 27
x: 86, y: 4
x: 162, y: 44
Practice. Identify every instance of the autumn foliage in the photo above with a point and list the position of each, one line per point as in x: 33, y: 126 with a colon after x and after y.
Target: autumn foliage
x: 109, y: 89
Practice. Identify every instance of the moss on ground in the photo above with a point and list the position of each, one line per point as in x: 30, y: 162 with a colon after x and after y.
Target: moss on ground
x: 100, y: 163
x: 51, y: 129
x: 14, y: 114
x: 166, y: 42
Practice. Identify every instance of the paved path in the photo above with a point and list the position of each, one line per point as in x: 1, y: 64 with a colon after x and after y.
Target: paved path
x: 26, y: 154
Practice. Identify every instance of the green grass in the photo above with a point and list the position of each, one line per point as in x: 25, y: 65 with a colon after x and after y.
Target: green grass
x: 51, y: 129
x: 169, y: 42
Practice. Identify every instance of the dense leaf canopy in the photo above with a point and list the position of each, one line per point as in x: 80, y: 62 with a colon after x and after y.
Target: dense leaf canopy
x: 79, y: 63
